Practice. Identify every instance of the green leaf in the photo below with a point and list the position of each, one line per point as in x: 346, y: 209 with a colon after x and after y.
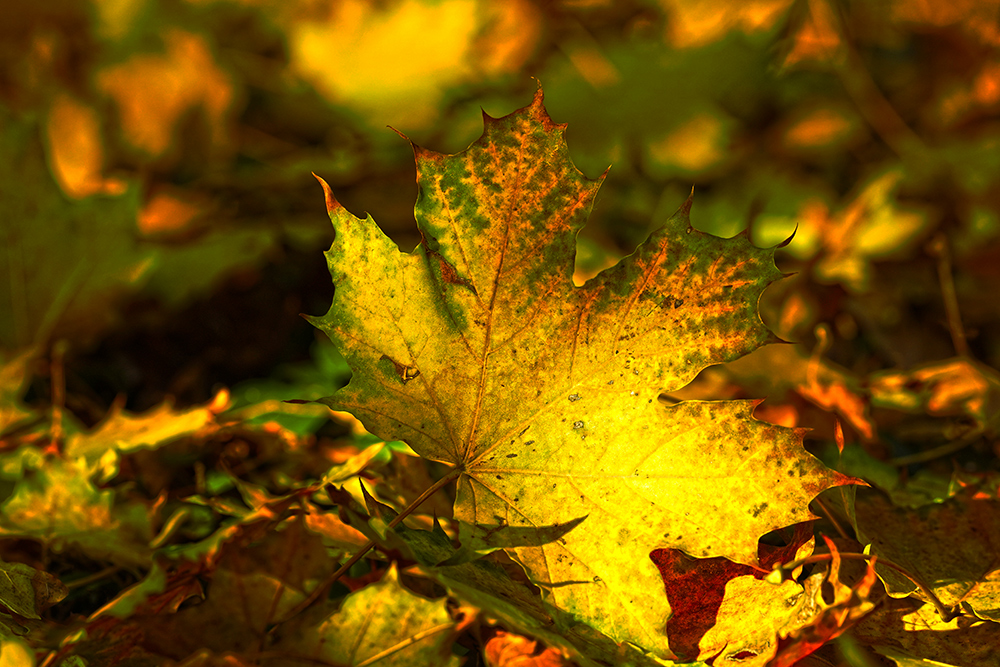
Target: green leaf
x: 27, y: 591
x: 14, y: 375
x: 64, y: 261
x: 57, y: 503
x: 382, y: 624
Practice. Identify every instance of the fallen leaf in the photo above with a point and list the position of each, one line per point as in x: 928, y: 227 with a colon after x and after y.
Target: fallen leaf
x: 913, y: 635
x: 414, y: 50
x: 16, y: 654
x: 838, y: 397
x: 489, y: 587
x: 123, y: 432
x: 873, y: 226
x: 27, y: 591
x: 57, y: 503
x: 508, y: 650
x: 951, y: 546
x: 736, y: 612
x: 478, y: 350
x: 77, y: 150
x: 65, y: 262
x: 382, y: 623
x: 817, y: 37
x: 700, y: 22
x: 255, y: 577
x: 950, y: 387
x: 824, y: 620
x: 154, y: 90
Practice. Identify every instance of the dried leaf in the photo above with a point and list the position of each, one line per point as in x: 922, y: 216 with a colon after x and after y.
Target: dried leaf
x: 508, y: 650
x: 950, y: 546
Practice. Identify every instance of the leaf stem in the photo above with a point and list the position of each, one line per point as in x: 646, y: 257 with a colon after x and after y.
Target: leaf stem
x: 940, y: 451
x: 57, y: 375
x: 943, y: 611
x: 939, y: 248
x: 91, y: 578
x: 322, y: 589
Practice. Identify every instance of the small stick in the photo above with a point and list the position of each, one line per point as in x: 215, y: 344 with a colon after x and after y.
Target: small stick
x: 58, y: 377
x: 944, y: 612
x: 939, y: 248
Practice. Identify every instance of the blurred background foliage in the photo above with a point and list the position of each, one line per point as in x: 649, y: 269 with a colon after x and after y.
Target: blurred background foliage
x: 162, y: 226
x: 161, y: 220
x: 161, y: 231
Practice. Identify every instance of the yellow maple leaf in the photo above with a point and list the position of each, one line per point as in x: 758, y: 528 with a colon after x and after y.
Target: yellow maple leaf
x: 478, y: 350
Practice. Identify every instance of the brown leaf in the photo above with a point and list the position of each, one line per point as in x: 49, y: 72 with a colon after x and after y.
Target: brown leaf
x: 828, y: 620
x: 510, y: 650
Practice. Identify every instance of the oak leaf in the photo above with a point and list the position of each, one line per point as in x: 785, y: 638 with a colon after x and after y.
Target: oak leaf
x: 478, y: 350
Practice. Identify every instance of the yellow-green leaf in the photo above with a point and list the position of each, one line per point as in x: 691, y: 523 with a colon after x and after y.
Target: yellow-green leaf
x: 381, y: 625
x: 27, y: 591
x: 14, y: 376
x: 57, y: 503
x: 123, y: 432
x: 478, y: 350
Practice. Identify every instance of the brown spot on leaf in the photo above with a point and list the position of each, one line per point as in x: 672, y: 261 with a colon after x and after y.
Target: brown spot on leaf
x: 405, y: 373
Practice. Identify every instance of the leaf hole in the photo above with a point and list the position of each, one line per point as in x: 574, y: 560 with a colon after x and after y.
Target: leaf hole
x: 742, y: 655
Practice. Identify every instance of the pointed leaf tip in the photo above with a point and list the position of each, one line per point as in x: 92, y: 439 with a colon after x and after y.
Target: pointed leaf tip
x: 789, y: 239
x: 683, y: 212
x: 539, y: 97
x: 331, y: 202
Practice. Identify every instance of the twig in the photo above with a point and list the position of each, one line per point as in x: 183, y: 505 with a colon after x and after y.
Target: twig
x: 939, y: 247
x: 833, y: 519
x: 91, y: 578
x: 944, y: 612
x: 938, y: 452
x: 58, y: 377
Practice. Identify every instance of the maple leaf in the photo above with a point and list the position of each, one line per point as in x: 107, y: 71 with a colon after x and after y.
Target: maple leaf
x: 478, y: 350
x: 66, y: 262
x: 485, y: 585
